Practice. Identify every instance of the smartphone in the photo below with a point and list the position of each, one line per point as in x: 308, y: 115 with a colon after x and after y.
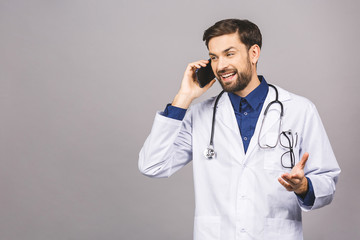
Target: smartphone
x: 204, y: 75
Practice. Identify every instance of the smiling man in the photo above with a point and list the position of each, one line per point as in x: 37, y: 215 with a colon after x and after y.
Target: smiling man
x: 233, y: 65
x: 272, y: 157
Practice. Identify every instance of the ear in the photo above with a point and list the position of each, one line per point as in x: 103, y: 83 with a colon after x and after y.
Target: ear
x: 254, y: 53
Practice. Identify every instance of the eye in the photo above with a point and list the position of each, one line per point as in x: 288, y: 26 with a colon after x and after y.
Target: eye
x: 230, y: 54
x: 213, y: 58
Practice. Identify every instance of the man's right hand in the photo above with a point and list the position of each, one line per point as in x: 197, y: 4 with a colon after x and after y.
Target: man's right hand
x: 190, y: 88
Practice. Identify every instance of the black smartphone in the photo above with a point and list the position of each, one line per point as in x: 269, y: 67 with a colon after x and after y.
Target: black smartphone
x: 204, y: 75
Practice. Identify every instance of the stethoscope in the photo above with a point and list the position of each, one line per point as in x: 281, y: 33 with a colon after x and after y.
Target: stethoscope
x: 209, y: 152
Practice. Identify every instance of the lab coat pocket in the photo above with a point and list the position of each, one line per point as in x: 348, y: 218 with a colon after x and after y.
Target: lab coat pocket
x: 284, y: 229
x: 272, y: 159
x: 207, y: 228
x: 279, y: 159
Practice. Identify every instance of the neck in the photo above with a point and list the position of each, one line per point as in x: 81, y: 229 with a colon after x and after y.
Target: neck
x: 254, y: 83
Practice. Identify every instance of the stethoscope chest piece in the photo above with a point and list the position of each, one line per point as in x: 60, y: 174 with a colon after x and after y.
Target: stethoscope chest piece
x: 209, y: 152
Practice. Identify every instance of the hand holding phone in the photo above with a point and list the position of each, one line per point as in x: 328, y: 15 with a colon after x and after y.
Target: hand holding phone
x: 198, y: 78
x: 205, y: 75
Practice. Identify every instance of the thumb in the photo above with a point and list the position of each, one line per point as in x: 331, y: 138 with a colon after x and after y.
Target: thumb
x: 303, y: 160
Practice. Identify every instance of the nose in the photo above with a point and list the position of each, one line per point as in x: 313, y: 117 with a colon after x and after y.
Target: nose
x: 222, y: 64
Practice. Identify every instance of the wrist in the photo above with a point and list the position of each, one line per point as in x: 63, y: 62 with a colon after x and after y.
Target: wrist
x: 301, y: 191
x: 182, y: 100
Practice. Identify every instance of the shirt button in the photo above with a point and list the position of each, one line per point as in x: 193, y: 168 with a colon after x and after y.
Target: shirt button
x: 242, y: 230
x: 245, y: 113
x: 245, y: 138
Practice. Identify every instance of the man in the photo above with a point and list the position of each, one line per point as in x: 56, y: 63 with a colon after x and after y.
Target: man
x: 265, y: 169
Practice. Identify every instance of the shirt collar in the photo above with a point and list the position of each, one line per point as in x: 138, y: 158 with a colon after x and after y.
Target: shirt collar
x: 254, y: 98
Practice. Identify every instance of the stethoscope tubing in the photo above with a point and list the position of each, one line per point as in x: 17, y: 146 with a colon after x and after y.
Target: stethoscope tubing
x: 209, y: 151
x: 213, y: 118
x: 275, y: 101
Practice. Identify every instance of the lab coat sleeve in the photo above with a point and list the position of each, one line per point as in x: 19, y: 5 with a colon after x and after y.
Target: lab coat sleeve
x: 168, y: 147
x: 321, y: 167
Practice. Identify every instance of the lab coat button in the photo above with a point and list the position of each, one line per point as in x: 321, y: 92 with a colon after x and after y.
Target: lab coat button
x: 242, y: 230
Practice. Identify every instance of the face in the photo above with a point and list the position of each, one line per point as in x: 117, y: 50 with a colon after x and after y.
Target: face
x: 230, y: 62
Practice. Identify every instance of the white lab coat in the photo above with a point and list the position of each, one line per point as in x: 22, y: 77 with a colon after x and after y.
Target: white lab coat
x: 237, y: 195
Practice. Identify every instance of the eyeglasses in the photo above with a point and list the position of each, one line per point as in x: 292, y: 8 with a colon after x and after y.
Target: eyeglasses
x: 288, y: 141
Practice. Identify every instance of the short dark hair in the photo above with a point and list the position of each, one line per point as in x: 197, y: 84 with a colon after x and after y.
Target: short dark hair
x: 249, y: 33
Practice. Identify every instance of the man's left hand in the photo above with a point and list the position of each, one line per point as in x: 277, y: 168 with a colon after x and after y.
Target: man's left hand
x: 296, y: 180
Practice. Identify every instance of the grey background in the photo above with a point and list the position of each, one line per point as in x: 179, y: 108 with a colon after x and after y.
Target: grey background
x: 81, y: 82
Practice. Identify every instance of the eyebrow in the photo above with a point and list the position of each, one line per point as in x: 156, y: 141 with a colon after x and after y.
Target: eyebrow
x: 225, y: 51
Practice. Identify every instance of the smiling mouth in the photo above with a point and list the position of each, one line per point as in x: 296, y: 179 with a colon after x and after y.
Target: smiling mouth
x: 227, y: 76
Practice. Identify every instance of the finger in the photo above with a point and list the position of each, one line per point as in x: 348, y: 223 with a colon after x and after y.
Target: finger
x: 285, y: 175
x: 303, y: 160
x: 289, y: 179
x: 204, y: 61
x: 200, y: 62
x: 297, y: 176
x: 286, y: 185
x: 194, y: 65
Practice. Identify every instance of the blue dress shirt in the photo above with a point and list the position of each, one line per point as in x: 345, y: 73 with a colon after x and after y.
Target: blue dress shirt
x: 247, y: 111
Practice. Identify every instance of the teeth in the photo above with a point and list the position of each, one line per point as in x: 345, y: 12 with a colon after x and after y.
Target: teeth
x: 227, y: 75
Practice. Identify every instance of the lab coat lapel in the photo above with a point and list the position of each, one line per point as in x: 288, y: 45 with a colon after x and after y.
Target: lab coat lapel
x: 225, y: 116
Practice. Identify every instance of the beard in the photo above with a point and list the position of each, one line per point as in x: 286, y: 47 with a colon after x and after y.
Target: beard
x: 240, y: 83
